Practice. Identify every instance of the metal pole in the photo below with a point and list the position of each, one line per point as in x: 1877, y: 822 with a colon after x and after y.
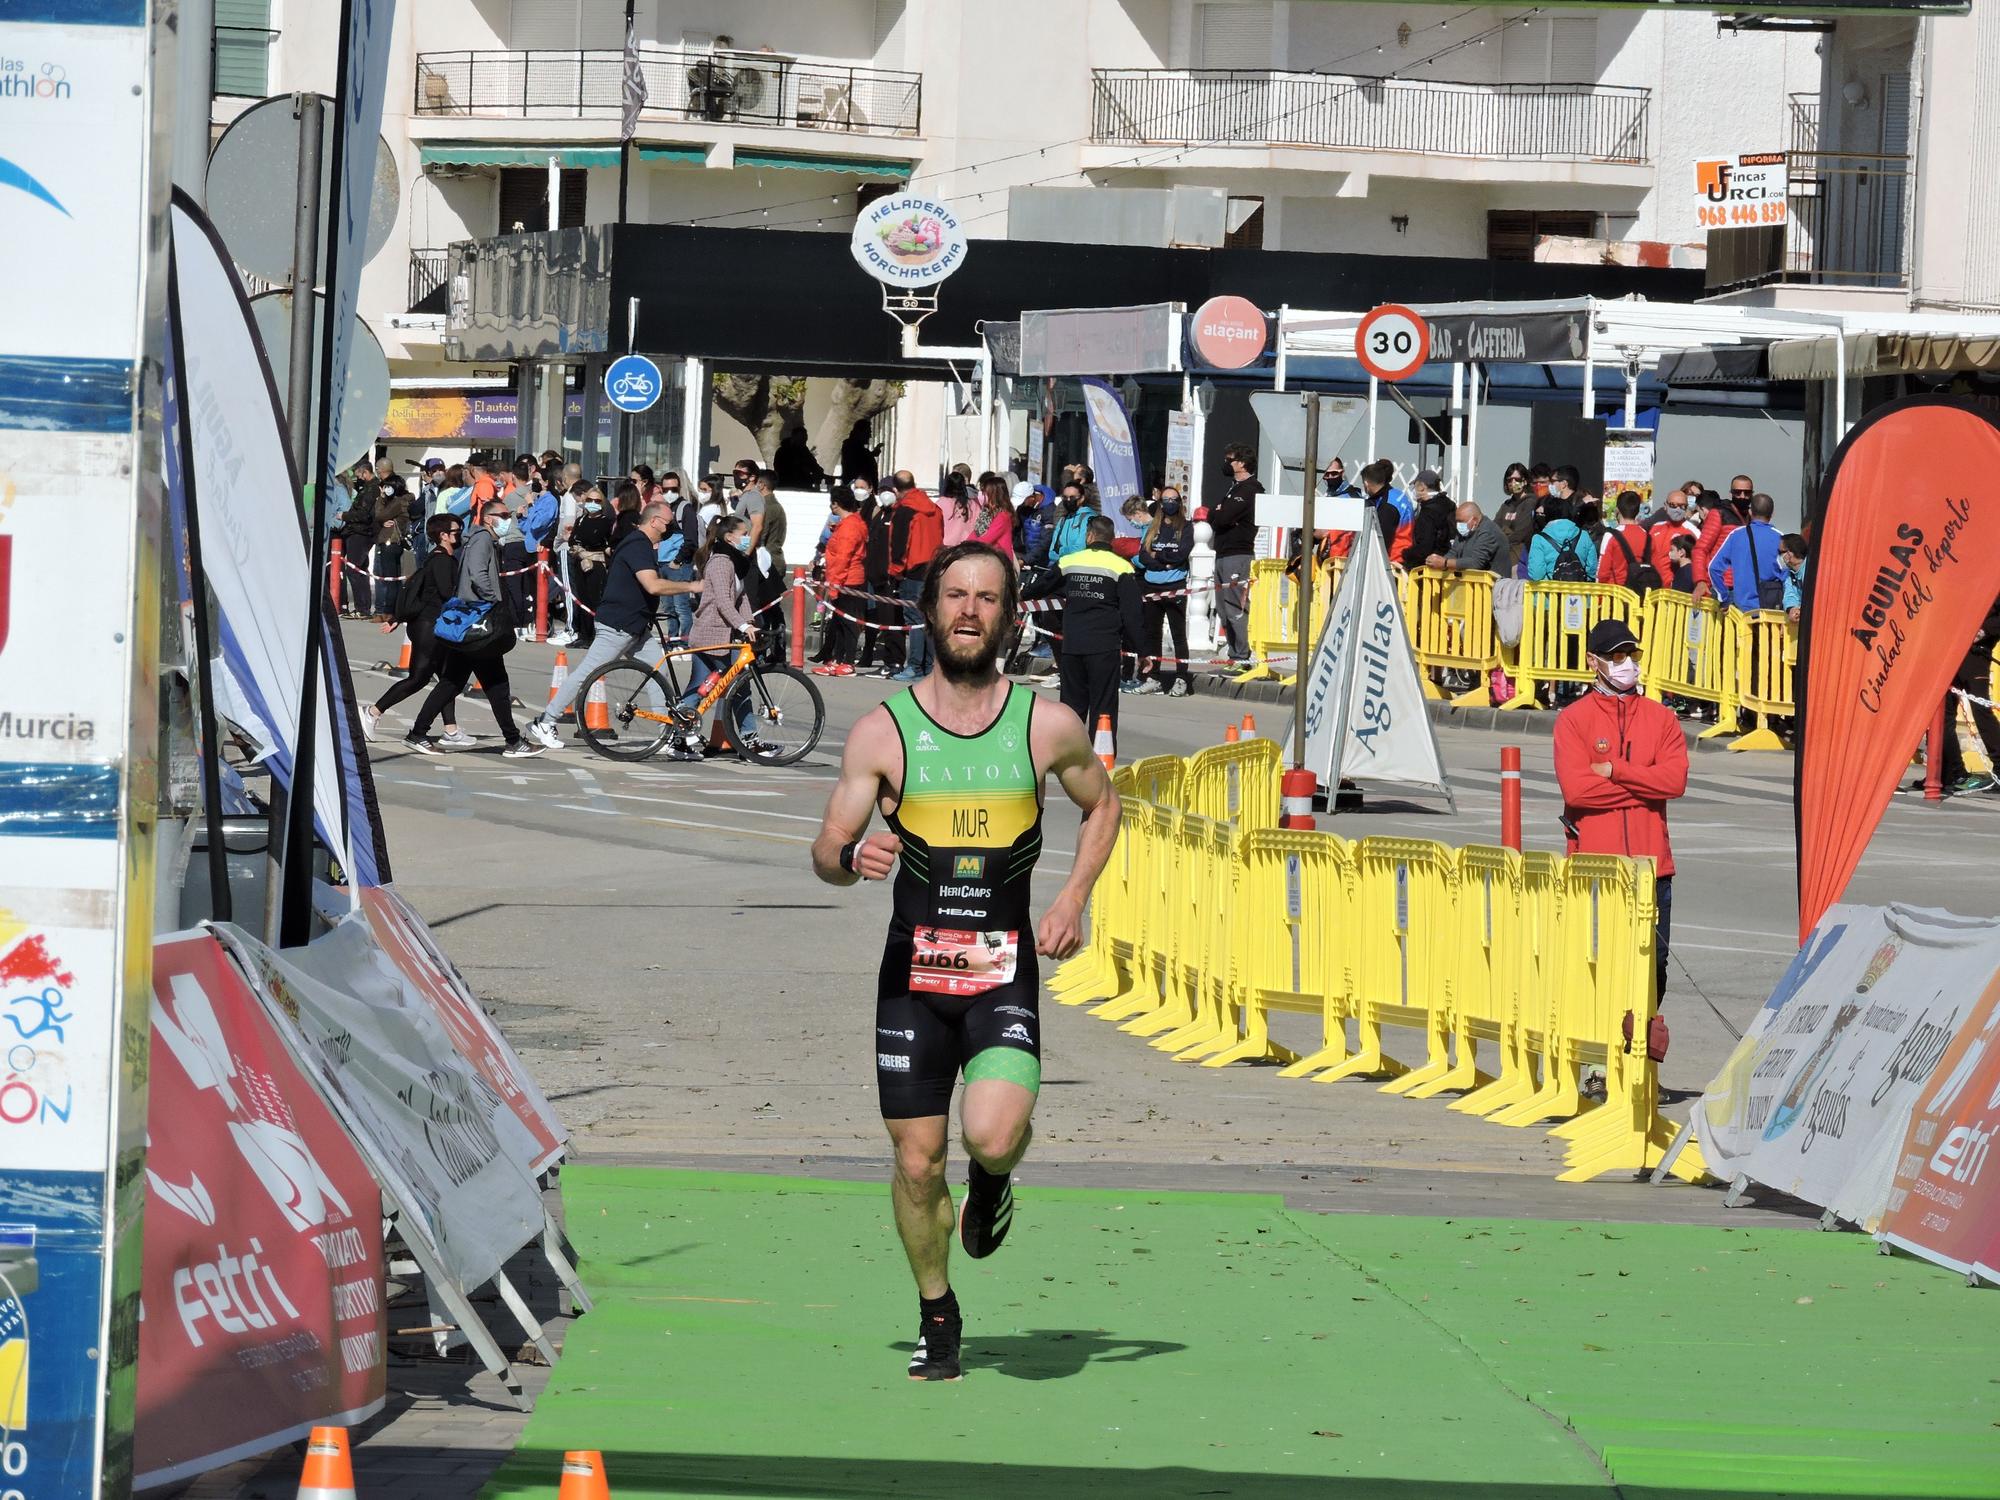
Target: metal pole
x: 1308, y: 562
x: 625, y: 140
x: 1471, y: 490
x: 298, y: 416
x: 555, y: 190
x: 1374, y: 400
x: 1458, y: 429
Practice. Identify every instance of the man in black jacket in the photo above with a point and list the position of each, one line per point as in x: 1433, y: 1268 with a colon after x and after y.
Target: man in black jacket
x: 1234, y: 522
x: 1101, y: 615
x: 1435, y: 525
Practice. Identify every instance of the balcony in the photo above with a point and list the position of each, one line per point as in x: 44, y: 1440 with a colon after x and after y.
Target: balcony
x: 1596, y: 124
x: 682, y: 85
x: 428, y: 269
x: 1844, y: 227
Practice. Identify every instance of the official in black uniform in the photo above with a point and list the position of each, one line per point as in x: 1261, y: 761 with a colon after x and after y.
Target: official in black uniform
x: 1101, y: 615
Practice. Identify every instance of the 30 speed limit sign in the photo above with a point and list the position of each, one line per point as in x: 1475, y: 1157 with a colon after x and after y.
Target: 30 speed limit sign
x: 1392, y: 342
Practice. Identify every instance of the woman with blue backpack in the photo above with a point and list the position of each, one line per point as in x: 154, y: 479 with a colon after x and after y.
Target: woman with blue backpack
x: 476, y: 627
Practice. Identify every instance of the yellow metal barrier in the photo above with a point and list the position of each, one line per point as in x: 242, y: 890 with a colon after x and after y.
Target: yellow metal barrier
x: 1691, y: 652
x: 1236, y: 783
x: 1159, y: 899
x: 1191, y: 895
x: 1209, y: 990
x: 1158, y: 778
x: 1450, y: 618
x: 1093, y: 973
x: 1273, y: 622
x: 1296, y: 890
x: 1767, y: 653
x: 1403, y: 932
x: 1555, y: 621
x: 1521, y: 1097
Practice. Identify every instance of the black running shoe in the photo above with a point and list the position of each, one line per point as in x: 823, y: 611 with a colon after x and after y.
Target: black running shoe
x: 938, y: 1341
x: 986, y: 1212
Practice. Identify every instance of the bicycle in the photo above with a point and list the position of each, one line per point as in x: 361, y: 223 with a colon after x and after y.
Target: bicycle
x: 642, y: 705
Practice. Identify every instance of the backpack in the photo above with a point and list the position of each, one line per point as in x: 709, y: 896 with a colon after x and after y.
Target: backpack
x: 1639, y: 576
x: 1569, y: 567
x: 539, y: 524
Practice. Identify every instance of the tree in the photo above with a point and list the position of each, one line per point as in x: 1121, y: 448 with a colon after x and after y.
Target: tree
x: 853, y: 401
x: 769, y: 406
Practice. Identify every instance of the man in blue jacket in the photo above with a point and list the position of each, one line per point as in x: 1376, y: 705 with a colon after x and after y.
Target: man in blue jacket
x: 1746, y: 572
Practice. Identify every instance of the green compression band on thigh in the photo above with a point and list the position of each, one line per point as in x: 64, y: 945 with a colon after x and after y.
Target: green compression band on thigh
x: 1009, y: 1065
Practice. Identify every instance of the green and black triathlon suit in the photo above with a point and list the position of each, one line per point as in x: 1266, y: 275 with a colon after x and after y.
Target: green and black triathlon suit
x: 959, y: 982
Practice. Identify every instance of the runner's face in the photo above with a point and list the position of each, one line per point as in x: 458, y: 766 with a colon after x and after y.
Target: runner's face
x: 970, y: 619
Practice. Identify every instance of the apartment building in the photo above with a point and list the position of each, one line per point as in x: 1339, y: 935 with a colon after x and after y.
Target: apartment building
x: 1412, y: 130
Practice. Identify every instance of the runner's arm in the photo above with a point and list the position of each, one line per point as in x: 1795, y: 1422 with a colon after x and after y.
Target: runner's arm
x: 863, y: 766
x: 1084, y: 779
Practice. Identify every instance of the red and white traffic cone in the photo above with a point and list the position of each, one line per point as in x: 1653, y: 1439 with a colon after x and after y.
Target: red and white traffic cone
x: 329, y: 1472
x: 1296, y: 789
x: 1229, y: 734
x: 556, y: 681
x: 402, y: 667
x: 583, y: 1476
x: 1106, y: 745
x: 1249, y: 731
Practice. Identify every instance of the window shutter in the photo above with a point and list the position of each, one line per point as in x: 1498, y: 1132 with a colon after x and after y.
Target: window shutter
x: 242, y: 47
x: 1524, y: 52
x: 1895, y: 98
x: 1573, y: 49
x: 546, y: 25
x: 1233, y: 36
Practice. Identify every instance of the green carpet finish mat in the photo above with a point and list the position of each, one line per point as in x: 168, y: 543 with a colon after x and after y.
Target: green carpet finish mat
x: 751, y: 1334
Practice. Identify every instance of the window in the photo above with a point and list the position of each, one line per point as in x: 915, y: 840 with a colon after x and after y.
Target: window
x: 1559, y: 49
x: 1246, y: 225
x: 524, y: 199
x: 1232, y: 35
x: 243, y: 39
x: 566, y: 25
x: 1511, y: 233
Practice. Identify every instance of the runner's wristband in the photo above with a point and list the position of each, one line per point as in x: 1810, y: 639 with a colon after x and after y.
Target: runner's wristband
x: 847, y: 856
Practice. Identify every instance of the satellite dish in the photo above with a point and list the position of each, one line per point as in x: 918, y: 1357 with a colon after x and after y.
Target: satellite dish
x: 253, y: 188
x: 365, y: 405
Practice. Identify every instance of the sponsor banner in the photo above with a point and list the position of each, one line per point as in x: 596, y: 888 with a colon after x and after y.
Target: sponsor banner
x: 1747, y: 191
x: 410, y: 945
x: 1114, y: 453
x: 262, y: 1288
x: 1942, y: 1204
x: 254, y: 544
x: 476, y: 418
x: 1093, y: 340
x: 1816, y: 1099
x: 443, y: 1144
x: 1628, y: 464
x: 52, y: 1253
x: 1365, y: 715
x: 1895, y: 596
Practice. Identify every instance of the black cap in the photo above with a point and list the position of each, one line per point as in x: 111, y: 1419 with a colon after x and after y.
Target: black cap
x: 1607, y: 636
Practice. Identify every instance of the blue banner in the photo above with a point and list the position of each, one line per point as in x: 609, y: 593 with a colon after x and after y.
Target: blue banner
x: 1114, y: 451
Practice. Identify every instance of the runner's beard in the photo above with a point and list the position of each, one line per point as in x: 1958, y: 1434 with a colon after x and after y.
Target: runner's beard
x: 960, y: 662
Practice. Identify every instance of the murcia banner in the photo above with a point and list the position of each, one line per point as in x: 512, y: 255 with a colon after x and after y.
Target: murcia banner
x: 1818, y: 1096
x: 262, y: 1282
x: 908, y: 240
x: 1365, y: 715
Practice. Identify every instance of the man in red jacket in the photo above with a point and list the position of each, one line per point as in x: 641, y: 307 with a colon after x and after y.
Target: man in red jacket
x: 846, y: 547
x: 1620, y: 759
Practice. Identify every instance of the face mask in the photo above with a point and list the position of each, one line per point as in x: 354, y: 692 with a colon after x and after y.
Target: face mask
x: 1677, y: 513
x: 593, y: 506
x: 740, y: 543
x: 1465, y: 528
x: 860, y: 491
x: 1620, y: 676
x: 505, y: 528
x: 706, y: 494
x: 1228, y: 469
x: 1331, y: 483
x: 1170, y: 507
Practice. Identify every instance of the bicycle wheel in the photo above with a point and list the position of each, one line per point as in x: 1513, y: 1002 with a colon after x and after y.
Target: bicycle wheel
x: 786, y: 714
x: 635, y: 714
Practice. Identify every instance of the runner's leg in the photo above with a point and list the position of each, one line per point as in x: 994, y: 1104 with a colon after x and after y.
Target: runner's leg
x: 923, y: 1205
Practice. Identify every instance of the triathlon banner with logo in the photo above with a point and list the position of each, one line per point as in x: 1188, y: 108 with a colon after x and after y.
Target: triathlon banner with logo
x: 446, y: 1148
x: 1905, y: 565
x: 1114, y: 454
x: 1365, y: 715
x: 262, y: 1280
x: 1824, y: 1097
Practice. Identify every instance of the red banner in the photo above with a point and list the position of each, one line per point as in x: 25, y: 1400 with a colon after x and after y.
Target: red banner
x: 1943, y: 1206
x: 262, y: 1282
x: 1905, y: 565
x: 406, y: 938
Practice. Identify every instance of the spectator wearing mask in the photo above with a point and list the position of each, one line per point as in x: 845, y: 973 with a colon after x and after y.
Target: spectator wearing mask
x: 1074, y: 513
x: 1433, y: 522
x: 589, y: 556
x: 1669, y: 521
x: 427, y: 592
x: 1744, y: 571
x: 1560, y: 552
x: 1625, y: 556
x: 1101, y: 616
x: 767, y: 579
x: 1137, y: 514
x: 1479, y: 546
x: 478, y: 580
x: 882, y: 643
x: 1034, y: 504
x: 1714, y: 520
x: 1516, y: 515
x: 1391, y: 506
x: 726, y: 566
x: 1620, y: 758
x: 1792, y: 554
x: 1164, y: 551
x: 1333, y: 480
x: 1680, y: 563
x: 845, y: 570
x: 1233, y: 520
x: 916, y: 536
x: 1566, y: 484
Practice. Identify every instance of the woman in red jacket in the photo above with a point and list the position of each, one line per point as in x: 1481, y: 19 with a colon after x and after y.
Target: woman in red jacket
x: 1620, y: 759
x: 846, y: 555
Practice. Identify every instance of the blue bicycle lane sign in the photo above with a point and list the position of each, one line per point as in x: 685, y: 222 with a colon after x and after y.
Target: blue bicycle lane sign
x: 633, y: 383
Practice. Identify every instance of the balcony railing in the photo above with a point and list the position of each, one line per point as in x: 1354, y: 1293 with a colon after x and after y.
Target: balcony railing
x: 1233, y: 107
x: 428, y: 269
x: 1846, y: 217
x: 681, y: 84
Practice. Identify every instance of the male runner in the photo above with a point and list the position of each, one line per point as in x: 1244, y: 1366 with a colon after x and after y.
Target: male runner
x: 956, y: 764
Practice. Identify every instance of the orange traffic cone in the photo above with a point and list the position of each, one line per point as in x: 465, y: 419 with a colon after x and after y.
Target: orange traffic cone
x: 583, y: 1477
x: 1249, y: 731
x: 597, y: 708
x: 556, y: 681
x: 1229, y: 735
x: 402, y: 667
x: 1106, y: 746
x: 328, y: 1474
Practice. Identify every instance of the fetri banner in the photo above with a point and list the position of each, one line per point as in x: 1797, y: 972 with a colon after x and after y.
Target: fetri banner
x: 1905, y: 565
x: 262, y: 1280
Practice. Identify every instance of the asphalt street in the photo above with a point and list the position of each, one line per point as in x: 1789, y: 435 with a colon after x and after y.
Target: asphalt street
x: 654, y: 941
